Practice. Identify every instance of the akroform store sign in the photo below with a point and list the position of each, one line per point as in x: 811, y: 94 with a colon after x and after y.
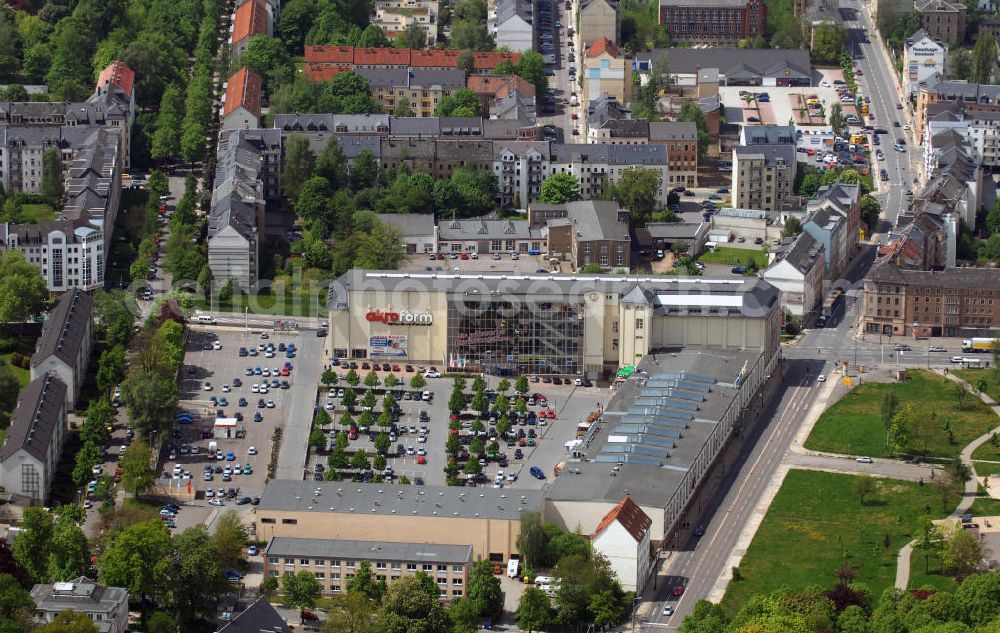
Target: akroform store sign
x: 403, y: 317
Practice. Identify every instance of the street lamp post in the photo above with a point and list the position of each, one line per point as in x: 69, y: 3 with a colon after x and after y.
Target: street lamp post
x: 635, y: 607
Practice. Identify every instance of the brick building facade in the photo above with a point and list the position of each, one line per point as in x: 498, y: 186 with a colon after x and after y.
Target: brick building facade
x: 713, y: 21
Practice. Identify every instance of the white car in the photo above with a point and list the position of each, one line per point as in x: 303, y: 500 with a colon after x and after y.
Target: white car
x: 422, y: 438
x: 824, y: 84
x: 578, y: 382
x: 97, y: 470
x: 262, y: 388
x: 217, y: 345
x: 252, y: 450
x: 668, y: 609
x: 209, y: 493
x: 864, y: 460
x: 206, y: 386
x: 225, y: 389
x: 422, y: 451
x: 122, y: 449
x: 821, y: 378
x: 254, y: 388
x: 433, y: 374
x: 216, y: 502
x: 270, y: 404
x: 177, y: 469
x: 329, y: 405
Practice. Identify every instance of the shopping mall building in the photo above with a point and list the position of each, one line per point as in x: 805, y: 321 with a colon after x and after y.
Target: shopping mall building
x: 560, y: 325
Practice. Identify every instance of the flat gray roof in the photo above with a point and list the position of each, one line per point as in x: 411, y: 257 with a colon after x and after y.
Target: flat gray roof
x: 368, y: 550
x: 654, y: 426
x: 343, y: 497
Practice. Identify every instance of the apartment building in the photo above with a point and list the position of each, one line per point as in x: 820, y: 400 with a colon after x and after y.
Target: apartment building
x: 64, y: 347
x: 320, y: 60
x: 606, y: 70
x: 953, y: 172
x: 334, y: 562
x: 395, y: 16
x: 713, y: 21
x: 763, y: 176
x: 833, y: 218
x: 241, y: 109
x: 734, y: 66
x: 246, y: 178
x: 107, y: 607
x: 681, y: 140
x: 32, y: 444
x: 595, y: 165
x: 609, y: 121
x: 481, y: 235
x: 251, y: 18
x: 599, y: 18
x: 511, y: 23
x: 586, y: 231
x: 972, y: 98
x: 942, y: 20
x: 423, y: 88
x: 923, y: 58
x: 949, y: 302
x: 520, y: 168
x: 796, y: 269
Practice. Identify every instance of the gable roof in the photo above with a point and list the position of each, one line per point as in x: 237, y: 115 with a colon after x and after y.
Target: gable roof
x: 434, y: 58
x: 119, y: 75
x: 243, y: 91
x: 603, y: 45
x: 250, y: 20
x: 36, y: 416
x: 381, y: 57
x: 630, y: 516
x: 260, y: 617
x: 319, y: 54
x: 64, y: 331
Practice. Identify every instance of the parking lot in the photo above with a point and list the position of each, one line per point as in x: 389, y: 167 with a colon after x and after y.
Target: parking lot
x: 220, y: 372
x: 779, y: 110
x: 570, y: 404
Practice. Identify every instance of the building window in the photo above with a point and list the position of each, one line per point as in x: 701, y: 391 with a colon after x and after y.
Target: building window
x: 289, y: 521
x: 456, y: 568
x: 304, y: 562
x: 380, y: 565
x: 639, y: 324
x: 411, y: 567
x: 266, y: 520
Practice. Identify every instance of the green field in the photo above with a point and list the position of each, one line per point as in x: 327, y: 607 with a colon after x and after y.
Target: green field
x: 731, y: 256
x: 986, y: 468
x: 39, y: 213
x: 817, y: 524
x: 853, y: 425
x: 992, y: 380
x: 22, y: 375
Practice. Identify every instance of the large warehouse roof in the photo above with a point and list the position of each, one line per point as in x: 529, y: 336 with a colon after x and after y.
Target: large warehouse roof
x: 746, y: 296
x: 346, y: 497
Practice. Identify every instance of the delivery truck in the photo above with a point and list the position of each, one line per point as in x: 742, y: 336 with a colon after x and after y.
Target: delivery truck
x: 977, y: 345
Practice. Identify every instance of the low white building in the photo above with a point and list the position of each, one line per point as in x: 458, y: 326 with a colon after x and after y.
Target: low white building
x: 923, y: 58
x: 107, y: 607
x: 32, y: 444
x: 796, y: 268
x: 510, y: 23
x: 64, y: 347
x: 418, y: 230
x: 623, y: 538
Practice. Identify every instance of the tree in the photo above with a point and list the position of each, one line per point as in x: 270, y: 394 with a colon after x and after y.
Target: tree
x: 946, y: 485
x: 31, y: 547
x: 160, y: 622
x: 230, y: 538
x: 463, y: 616
x: 301, y: 590
x: 195, y: 573
x: 484, y: 589
x: 166, y: 142
x: 559, y: 188
x: 371, y: 379
x: 961, y: 553
x: 413, y: 36
x: 150, y: 399
x: 69, y: 622
x: 637, y: 190
x: 532, y: 540
x: 412, y: 604
x: 521, y: 385
x: 461, y: 103
x: 132, y: 557
x: 359, y: 460
x: 351, y: 613
x: 364, y: 170
x: 68, y: 552
x: 22, y: 289
x: 837, y: 119
x: 136, y: 465
x: 984, y: 58
x: 365, y: 583
x: 899, y: 431
x: 299, y: 162
x: 51, y: 185
x: 466, y: 61
x: 828, y: 43
x: 418, y: 382
x: 531, y: 68
x: 534, y: 612
x: 927, y: 539
x: 16, y: 605
x: 870, y: 210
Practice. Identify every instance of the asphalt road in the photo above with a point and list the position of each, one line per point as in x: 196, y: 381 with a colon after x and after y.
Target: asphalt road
x: 699, y: 562
x: 878, y: 82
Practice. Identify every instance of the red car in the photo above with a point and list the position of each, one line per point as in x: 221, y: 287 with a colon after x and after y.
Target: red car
x: 284, y: 371
x: 522, y: 442
x: 678, y: 590
x: 421, y: 459
x: 395, y: 368
x: 464, y: 256
x: 858, y: 72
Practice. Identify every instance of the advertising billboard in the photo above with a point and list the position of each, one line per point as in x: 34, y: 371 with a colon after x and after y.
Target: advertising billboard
x: 388, y: 345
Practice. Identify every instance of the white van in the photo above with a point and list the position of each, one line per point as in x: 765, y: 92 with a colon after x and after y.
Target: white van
x: 206, y: 318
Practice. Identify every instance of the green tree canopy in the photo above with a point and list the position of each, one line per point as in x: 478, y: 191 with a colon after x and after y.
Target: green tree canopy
x: 559, y: 188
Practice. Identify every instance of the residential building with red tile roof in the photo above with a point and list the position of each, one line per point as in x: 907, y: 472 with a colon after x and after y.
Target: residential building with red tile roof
x: 622, y: 537
x: 324, y: 72
x: 118, y: 75
x: 251, y: 19
x: 434, y: 58
x: 487, y: 62
x: 242, y: 107
x: 606, y: 70
x: 330, y: 55
x: 492, y: 88
x: 317, y: 56
x: 382, y: 57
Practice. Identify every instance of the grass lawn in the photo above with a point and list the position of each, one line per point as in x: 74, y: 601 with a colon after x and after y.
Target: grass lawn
x: 984, y: 505
x: 730, y: 256
x: 919, y: 579
x: 853, y: 425
x: 817, y: 524
x: 992, y: 380
x: 39, y: 212
x: 986, y: 468
x: 22, y: 375
x: 294, y: 305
